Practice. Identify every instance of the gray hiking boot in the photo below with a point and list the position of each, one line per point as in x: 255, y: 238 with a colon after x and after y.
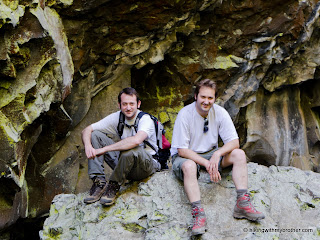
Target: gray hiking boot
x: 244, y: 209
x: 110, y: 194
x: 97, y: 189
x: 199, y: 221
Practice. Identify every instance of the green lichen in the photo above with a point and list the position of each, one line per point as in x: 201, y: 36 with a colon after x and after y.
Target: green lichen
x: 186, y: 60
x: 297, y: 186
x: 164, y: 117
x: 12, y: 11
x: 253, y: 192
x: 103, y: 215
x: 298, y: 200
x: 12, y: 4
x: 315, y: 200
x: 55, y: 233
x: 225, y: 62
x: 4, y: 204
x: 168, y: 115
x: 133, y: 227
x: 54, y: 211
x: 131, y: 214
x: 307, y: 206
x: 21, y: 58
x: 158, y: 214
x: 173, y: 233
x: 5, y: 84
x: 118, y: 211
x: 166, y: 98
x: 158, y: 218
x: 116, y: 47
x: 126, y: 214
x: 133, y: 7
x: 275, y: 238
x: 229, y: 178
x: 11, y: 134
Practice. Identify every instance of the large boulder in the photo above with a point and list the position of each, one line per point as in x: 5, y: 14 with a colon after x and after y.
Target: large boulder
x: 158, y: 208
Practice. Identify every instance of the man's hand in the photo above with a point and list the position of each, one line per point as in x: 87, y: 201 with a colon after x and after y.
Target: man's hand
x: 90, y: 152
x: 213, y: 166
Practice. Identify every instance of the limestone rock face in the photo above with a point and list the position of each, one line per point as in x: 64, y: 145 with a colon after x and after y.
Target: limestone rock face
x: 158, y: 208
x: 62, y: 64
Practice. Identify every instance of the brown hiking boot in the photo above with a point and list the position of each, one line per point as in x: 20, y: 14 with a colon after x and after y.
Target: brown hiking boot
x: 199, y: 221
x: 244, y: 209
x: 96, y: 191
x: 110, y: 194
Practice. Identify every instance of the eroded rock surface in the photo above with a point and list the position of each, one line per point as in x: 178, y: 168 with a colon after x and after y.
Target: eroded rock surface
x: 158, y: 209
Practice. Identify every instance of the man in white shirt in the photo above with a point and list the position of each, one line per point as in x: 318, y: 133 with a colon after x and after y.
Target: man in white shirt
x: 129, y: 158
x: 195, y: 143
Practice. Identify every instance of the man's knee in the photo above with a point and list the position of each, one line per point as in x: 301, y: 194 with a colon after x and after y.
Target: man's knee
x: 189, y: 168
x: 239, y: 156
x: 95, y: 133
x: 96, y: 136
x: 127, y: 153
x: 100, y: 139
x: 128, y: 156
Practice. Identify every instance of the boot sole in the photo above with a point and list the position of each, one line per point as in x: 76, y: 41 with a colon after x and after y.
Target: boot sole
x: 91, y: 201
x: 107, y: 203
x: 240, y: 216
x: 199, y: 231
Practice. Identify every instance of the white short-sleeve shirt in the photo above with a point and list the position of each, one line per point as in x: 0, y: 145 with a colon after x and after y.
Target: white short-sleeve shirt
x: 188, y: 129
x: 109, y: 125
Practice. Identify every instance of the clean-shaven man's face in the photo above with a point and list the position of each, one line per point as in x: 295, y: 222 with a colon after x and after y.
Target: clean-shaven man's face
x: 205, y: 100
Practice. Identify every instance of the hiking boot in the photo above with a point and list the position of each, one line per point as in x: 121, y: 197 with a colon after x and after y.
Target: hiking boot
x: 244, y: 209
x: 109, y: 195
x: 199, y: 221
x: 96, y: 191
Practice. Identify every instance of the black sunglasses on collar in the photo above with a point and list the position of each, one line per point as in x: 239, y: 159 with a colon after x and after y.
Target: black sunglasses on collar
x: 205, y: 126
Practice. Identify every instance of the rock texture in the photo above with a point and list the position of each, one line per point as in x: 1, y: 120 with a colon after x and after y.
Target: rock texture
x: 63, y: 62
x: 158, y: 209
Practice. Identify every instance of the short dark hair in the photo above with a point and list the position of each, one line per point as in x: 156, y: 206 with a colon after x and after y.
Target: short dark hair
x: 206, y: 83
x: 129, y: 91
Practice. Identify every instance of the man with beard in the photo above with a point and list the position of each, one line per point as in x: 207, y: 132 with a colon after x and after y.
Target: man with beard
x: 129, y: 158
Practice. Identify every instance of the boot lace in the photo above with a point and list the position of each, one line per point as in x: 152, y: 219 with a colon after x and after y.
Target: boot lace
x: 199, y: 217
x: 97, y: 183
x: 244, y: 202
x: 112, y: 189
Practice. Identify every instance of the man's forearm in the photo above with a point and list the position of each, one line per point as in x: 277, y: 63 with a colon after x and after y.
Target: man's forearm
x: 125, y: 144
x: 192, y: 155
x: 86, y: 136
x: 228, y: 147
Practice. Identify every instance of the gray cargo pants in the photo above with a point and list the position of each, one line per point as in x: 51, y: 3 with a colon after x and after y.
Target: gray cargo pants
x: 134, y: 164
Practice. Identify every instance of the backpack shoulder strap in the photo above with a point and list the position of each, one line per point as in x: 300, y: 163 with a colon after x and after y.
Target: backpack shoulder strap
x: 136, y: 122
x: 155, y: 124
x: 120, y: 124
